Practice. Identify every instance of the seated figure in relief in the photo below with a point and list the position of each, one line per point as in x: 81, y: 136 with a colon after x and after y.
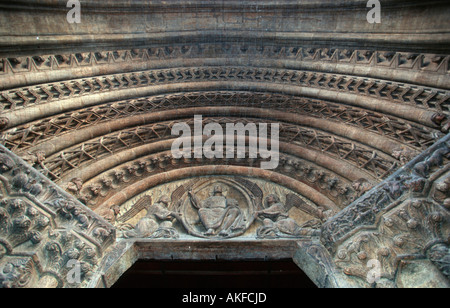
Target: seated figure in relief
x: 219, y: 215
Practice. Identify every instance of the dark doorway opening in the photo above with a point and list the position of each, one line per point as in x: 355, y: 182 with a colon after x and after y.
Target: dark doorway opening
x: 214, y: 274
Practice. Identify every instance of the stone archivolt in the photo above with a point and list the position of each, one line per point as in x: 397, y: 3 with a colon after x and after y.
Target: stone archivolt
x: 98, y: 122
x: 82, y: 62
x: 50, y: 132
x: 29, y: 135
x: 401, y: 93
x: 104, y: 186
x: 375, y: 163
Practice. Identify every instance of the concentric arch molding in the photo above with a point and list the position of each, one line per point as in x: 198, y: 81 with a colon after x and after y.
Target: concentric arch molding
x: 364, y: 112
x: 28, y: 136
x: 400, y: 66
x: 307, y: 83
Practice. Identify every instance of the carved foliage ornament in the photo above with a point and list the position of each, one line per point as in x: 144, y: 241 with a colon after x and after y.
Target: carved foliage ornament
x: 43, y: 230
x: 401, y: 227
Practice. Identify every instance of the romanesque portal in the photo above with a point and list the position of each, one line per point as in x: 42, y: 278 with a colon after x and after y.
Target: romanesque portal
x: 357, y: 109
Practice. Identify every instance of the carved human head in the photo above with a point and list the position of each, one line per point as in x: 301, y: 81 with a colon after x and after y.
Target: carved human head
x: 164, y: 200
x: 447, y: 203
x: 438, y: 118
x: 8, y: 268
x: 40, y: 156
x: 232, y: 202
x: 359, y: 184
x: 3, y: 122
x: 397, y: 153
x: 271, y: 199
x: 443, y: 187
x: 22, y: 223
x: 115, y: 209
x: 78, y: 182
x: 218, y: 190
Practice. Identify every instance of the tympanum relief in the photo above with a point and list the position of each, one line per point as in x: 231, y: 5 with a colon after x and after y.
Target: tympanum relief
x: 220, y: 208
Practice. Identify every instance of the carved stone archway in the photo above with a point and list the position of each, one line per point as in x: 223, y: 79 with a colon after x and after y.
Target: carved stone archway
x: 360, y: 194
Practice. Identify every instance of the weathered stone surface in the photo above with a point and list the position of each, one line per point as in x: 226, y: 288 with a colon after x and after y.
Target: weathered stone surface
x: 90, y: 107
x: 45, y: 232
x: 219, y: 208
x: 399, y: 230
x: 325, y: 23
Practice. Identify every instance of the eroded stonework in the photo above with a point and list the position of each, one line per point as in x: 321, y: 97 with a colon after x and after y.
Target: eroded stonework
x: 360, y: 197
x: 219, y: 208
x: 44, y: 232
x: 399, y: 230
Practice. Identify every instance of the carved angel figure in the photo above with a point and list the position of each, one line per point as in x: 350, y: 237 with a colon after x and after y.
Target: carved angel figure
x: 276, y: 221
x: 219, y: 215
x: 157, y: 223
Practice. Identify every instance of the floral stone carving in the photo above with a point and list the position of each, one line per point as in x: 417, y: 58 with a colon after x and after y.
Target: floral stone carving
x: 397, y: 234
x: 47, y: 238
